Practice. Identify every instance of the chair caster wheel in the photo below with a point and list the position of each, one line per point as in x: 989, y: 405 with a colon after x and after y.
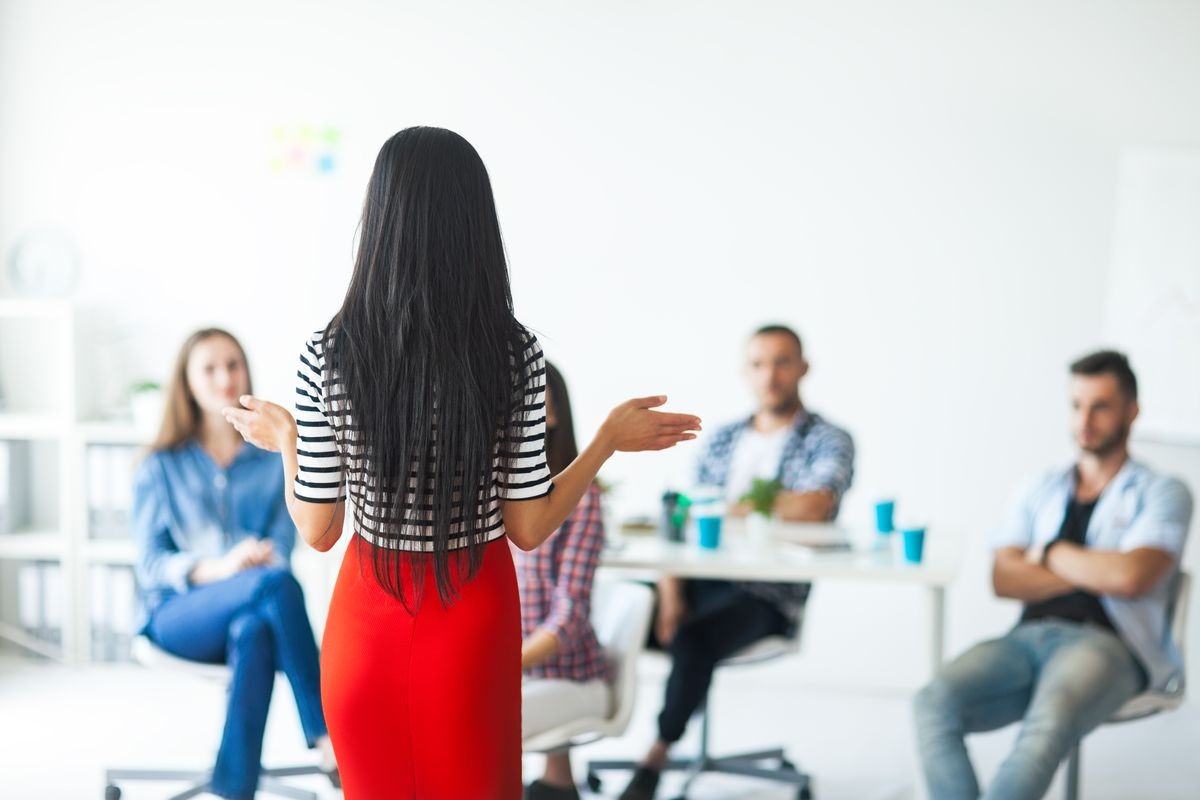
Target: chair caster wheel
x: 112, y: 792
x: 593, y: 783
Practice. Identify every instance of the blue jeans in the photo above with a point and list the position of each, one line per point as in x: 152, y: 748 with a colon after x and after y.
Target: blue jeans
x: 256, y: 623
x: 1063, y: 679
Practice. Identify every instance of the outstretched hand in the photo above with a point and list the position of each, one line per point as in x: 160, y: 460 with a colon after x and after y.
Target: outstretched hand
x: 633, y: 426
x: 263, y: 423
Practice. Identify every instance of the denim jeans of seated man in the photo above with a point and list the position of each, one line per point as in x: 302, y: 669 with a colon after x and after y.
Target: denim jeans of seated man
x: 1059, y: 679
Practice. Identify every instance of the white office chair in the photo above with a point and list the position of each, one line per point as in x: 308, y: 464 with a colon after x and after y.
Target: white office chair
x: 150, y: 655
x: 748, y: 764
x: 621, y: 614
x: 1146, y: 704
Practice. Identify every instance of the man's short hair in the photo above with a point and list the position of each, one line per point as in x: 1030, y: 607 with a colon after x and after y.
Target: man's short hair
x: 783, y: 330
x: 1109, y: 362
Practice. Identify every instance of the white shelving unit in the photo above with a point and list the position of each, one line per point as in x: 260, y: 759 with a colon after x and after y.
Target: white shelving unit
x: 116, y: 552
x: 33, y: 545
x: 32, y: 427
x: 109, y: 432
x: 47, y: 416
x: 43, y: 332
x: 109, y: 552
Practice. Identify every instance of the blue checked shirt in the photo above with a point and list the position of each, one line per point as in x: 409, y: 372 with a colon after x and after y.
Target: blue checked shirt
x: 817, y: 456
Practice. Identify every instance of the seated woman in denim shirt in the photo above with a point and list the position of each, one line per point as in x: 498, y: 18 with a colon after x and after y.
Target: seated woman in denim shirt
x: 214, y: 541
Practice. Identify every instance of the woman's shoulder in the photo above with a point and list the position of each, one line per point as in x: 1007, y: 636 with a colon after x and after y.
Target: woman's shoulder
x: 163, y: 456
x: 318, y: 342
x: 160, y: 463
x: 526, y: 343
x: 148, y: 468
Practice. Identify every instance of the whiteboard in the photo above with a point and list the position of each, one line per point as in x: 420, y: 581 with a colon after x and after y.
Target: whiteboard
x: 1153, y: 305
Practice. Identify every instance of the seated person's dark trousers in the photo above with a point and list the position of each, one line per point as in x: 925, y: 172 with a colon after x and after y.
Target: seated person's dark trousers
x: 722, y: 618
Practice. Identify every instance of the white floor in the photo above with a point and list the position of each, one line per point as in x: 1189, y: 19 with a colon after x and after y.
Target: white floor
x: 60, y: 727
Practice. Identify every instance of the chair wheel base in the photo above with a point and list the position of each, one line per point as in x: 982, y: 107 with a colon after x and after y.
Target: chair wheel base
x: 112, y: 792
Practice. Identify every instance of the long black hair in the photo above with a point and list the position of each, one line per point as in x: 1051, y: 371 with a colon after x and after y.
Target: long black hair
x: 427, y: 354
x: 561, y: 448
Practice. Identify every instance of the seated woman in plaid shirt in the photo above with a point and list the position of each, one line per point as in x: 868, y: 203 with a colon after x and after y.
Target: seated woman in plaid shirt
x: 566, y: 675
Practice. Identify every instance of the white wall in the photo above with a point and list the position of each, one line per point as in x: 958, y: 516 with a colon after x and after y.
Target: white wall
x: 924, y: 189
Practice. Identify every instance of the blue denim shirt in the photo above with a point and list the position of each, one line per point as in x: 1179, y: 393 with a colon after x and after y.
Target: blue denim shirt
x: 1138, y: 508
x: 186, y: 508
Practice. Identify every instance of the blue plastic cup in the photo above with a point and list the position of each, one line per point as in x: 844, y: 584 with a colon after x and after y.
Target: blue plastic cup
x: 885, y: 512
x: 914, y: 544
x: 710, y: 532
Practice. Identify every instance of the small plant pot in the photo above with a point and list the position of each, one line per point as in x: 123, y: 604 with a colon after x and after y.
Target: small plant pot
x: 760, y: 529
x: 147, y: 408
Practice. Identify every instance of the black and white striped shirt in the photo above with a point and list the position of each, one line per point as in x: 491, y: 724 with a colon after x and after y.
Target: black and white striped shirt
x: 519, y: 471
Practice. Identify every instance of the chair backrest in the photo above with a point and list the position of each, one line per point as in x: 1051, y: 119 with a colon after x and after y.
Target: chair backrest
x: 768, y: 649
x: 1179, y: 611
x: 621, y: 616
x: 1151, y: 702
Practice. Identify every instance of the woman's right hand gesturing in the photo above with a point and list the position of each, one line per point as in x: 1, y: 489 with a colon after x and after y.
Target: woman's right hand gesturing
x: 633, y: 426
x: 630, y: 427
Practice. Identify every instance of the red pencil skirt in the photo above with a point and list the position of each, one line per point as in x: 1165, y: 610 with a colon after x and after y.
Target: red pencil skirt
x: 425, y: 706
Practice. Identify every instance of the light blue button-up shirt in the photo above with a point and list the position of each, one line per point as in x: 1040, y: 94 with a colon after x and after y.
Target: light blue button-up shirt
x: 1138, y: 508
x: 186, y: 508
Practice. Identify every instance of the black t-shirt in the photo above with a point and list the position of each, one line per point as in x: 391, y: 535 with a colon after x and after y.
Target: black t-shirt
x: 1077, y: 606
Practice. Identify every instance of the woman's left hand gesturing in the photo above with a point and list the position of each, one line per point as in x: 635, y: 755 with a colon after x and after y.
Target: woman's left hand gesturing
x: 263, y: 423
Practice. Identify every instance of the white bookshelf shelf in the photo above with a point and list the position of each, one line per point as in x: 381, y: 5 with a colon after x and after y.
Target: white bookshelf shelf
x: 29, y: 642
x: 32, y: 546
x: 110, y: 432
x: 114, y: 552
x: 78, y: 473
x: 34, y: 427
x: 49, y: 376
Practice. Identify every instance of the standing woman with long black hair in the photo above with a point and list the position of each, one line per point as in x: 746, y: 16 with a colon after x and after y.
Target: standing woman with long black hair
x: 421, y: 403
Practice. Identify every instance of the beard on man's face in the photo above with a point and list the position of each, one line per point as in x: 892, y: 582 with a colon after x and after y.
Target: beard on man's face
x: 1109, y: 444
x: 785, y: 405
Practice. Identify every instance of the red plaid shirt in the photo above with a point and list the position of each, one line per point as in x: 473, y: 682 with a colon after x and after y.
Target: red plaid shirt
x: 556, y: 593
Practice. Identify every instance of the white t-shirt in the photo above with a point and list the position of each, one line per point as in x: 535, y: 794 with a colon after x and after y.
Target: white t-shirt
x: 756, y: 455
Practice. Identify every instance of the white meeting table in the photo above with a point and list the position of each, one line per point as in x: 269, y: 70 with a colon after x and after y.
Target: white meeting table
x: 783, y: 560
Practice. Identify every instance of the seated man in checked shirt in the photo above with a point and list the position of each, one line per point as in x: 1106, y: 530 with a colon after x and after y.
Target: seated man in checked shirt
x: 566, y: 675
x: 701, y: 622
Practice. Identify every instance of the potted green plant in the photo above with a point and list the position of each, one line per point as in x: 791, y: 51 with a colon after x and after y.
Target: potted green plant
x: 761, y: 498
